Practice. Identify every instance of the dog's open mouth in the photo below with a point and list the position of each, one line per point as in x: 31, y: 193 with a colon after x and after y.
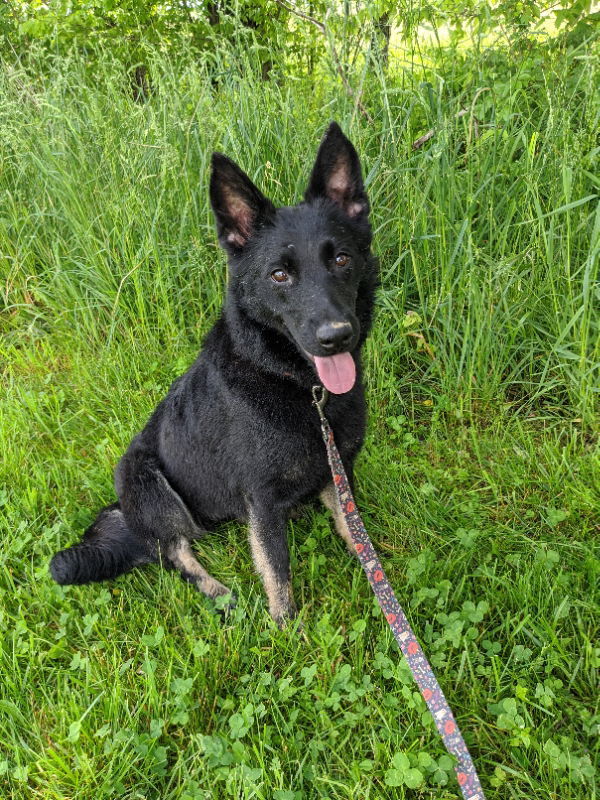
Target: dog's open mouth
x: 336, y: 373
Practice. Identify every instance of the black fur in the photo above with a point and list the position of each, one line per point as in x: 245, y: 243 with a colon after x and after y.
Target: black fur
x: 107, y: 549
x: 237, y: 437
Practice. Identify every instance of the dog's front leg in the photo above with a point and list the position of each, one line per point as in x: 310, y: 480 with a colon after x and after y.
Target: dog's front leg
x: 269, y: 546
x: 330, y: 500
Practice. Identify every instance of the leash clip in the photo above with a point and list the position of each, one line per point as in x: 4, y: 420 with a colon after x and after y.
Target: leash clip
x: 319, y: 402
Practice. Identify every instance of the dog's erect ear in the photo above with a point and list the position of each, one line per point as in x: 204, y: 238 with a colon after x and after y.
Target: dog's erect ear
x: 336, y: 174
x: 239, y: 207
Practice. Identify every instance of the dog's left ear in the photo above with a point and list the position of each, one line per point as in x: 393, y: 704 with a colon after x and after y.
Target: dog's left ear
x: 337, y: 174
x: 239, y: 207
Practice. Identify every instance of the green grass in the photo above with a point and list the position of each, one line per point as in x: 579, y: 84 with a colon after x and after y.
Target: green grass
x: 478, y: 480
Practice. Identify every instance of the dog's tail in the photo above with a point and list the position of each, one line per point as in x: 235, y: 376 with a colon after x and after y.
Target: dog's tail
x: 108, y: 549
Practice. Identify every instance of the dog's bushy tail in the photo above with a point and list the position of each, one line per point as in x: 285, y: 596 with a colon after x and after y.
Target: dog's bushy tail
x: 108, y: 549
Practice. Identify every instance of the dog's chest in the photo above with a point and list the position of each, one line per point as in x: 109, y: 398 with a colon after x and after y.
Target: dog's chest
x: 293, y: 452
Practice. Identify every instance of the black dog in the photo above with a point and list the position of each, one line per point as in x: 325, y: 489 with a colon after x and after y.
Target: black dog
x: 237, y: 436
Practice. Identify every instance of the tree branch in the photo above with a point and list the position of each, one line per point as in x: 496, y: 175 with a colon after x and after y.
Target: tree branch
x: 338, y: 66
x: 302, y: 15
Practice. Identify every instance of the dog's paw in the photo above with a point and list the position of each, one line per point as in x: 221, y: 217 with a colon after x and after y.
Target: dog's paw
x: 225, y: 603
x: 288, y: 619
x: 294, y: 625
x: 297, y: 626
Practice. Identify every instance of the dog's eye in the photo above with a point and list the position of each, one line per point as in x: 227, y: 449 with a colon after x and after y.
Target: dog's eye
x: 342, y: 260
x: 279, y: 276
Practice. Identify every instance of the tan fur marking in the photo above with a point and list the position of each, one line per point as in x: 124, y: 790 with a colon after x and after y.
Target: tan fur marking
x: 339, y: 184
x: 184, y: 559
x: 330, y: 501
x: 279, y: 595
x: 239, y: 210
x: 339, y: 177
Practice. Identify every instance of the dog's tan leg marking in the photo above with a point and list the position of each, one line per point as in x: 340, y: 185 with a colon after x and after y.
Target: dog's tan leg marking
x: 278, y: 588
x: 182, y: 557
x: 330, y: 501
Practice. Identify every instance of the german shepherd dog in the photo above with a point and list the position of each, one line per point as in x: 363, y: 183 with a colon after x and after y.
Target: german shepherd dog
x: 237, y: 436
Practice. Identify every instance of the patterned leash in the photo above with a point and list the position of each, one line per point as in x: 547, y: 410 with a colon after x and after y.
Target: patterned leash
x: 468, y: 779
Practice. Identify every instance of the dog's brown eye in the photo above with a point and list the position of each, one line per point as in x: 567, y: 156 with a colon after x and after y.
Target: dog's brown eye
x: 279, y: 275
x: 342, y: 259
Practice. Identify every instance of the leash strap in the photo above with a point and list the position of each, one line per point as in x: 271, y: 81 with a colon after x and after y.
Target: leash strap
x: 431, y: 691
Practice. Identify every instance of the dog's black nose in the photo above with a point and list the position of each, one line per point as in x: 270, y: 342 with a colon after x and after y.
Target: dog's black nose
x: 334, y: 335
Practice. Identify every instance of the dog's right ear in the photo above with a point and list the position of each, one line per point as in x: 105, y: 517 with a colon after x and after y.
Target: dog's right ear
x: 239, y: 207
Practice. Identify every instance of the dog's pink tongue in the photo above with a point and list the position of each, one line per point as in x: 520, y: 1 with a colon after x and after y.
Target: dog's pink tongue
x: 337, y: 373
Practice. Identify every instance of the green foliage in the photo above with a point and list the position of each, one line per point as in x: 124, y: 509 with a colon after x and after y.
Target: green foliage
x: 133, y: 31
x: 477, y: 479
x: 281, y: 34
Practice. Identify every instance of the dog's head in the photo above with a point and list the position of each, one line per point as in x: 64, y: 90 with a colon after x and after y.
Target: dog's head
x: 298, y: 269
